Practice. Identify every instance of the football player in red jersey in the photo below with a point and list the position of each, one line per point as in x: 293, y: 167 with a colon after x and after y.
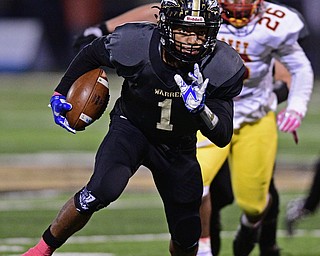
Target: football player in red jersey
x: 259, y: 31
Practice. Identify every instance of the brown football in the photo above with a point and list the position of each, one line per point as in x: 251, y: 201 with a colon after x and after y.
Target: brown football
x: 89, y: 96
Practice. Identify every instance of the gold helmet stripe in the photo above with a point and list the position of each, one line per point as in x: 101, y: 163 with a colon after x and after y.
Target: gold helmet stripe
x: 196, y: 7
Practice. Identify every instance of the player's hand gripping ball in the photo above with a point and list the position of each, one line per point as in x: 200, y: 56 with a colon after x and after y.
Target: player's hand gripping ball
x: 59, y: 107
x: 89, y: 97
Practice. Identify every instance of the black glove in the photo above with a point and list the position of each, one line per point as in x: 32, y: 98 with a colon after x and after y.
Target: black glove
x: 88, y: 35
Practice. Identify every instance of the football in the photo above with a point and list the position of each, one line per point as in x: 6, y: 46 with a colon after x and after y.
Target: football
x: 89, y: 96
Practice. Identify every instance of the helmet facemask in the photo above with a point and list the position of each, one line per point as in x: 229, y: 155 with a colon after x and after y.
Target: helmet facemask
x: 240, y: 12
x: 200, y: 18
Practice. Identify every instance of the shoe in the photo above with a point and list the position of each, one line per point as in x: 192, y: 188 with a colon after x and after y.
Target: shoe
x: 204, y: 247
x: 35, y: 252
x: 41, y: 249
x: 245, y: 240
x: 32, y: 252
x: 295, y: 212
x: 270, y: 251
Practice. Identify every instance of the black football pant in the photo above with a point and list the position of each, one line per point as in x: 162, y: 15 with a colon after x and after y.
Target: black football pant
x: 175, y: 169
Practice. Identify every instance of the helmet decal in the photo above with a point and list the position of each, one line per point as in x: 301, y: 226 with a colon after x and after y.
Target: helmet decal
x: 213, y: 5
x: 168, y: 3
x: 196, y: 8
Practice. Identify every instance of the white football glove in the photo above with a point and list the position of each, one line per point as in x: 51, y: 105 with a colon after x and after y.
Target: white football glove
x: 194, y: 94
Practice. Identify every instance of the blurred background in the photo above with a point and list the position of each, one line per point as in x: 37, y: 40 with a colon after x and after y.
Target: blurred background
x: 36, y: 48
x: 37, y: 35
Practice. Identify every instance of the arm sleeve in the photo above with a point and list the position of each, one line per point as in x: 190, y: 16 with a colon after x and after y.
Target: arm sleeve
x: 222, y: 133
x: 90, y: 57
x: 220, y: 102
x: 222, y: 107
x: 302, y: 77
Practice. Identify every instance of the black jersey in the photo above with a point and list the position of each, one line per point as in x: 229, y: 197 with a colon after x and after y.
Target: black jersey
x: 150, y: 98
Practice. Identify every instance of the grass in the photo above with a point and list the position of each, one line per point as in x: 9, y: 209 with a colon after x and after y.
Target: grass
x: 116, y: 229
x: 27, y: 125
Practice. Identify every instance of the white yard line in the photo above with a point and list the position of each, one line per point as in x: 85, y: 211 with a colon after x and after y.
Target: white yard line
x: 141, y: 237
x: 15, y: 245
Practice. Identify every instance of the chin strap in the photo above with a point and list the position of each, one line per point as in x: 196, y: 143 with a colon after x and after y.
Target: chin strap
x: 209, y: 118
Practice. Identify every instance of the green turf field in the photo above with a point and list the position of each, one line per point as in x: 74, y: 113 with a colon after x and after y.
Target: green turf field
x: 27, y: 125
x: 135, y: 224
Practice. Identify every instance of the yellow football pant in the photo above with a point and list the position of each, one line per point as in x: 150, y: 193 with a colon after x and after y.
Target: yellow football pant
x: 251, y: 156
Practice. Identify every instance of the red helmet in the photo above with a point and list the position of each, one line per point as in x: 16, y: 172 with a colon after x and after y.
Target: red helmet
x: 240, y: 12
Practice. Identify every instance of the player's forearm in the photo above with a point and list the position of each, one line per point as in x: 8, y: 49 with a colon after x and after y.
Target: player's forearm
x: 141, y: 13
x: 281, y: 73
x: 301, y: 89
x: 302, y: 79
x: 89, y: 58
x: 209, y: 118
x: 217, y: 124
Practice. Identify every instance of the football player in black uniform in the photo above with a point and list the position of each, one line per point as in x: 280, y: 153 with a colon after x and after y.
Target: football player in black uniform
x: 177, y: 79
x: 220, y: 188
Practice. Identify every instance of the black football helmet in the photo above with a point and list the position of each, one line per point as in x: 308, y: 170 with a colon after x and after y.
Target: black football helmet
x: 187, y: 14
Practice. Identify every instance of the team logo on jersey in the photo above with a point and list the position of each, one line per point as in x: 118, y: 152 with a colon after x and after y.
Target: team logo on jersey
x: 169, y: 3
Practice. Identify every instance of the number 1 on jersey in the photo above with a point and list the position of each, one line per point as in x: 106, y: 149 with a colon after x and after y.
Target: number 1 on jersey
x: 165, y: 115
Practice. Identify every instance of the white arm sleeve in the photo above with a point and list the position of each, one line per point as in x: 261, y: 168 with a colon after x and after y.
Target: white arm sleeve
x: 302, y: 77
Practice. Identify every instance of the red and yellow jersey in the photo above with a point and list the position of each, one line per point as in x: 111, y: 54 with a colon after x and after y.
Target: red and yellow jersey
x: 273, y: 35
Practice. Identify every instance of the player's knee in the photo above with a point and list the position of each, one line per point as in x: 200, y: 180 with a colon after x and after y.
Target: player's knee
x: 175, y: 249
x: 187, y: 233
x: 252, y: 209
x: 85, y: 202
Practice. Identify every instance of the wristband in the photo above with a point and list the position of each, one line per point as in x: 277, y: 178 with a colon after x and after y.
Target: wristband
x: 209, y: 118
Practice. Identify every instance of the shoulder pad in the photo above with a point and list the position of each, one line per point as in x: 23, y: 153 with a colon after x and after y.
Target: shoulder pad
x: 222, y: 65
x: 129, y: 44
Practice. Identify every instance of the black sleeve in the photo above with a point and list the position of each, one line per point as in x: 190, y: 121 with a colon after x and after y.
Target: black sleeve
x: 223, y: 108
x: 222, y: 133
x: 92, y: 56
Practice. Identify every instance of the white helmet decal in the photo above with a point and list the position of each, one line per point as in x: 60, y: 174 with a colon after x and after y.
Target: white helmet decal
x: 169, y: 3
x: 213, y: 5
